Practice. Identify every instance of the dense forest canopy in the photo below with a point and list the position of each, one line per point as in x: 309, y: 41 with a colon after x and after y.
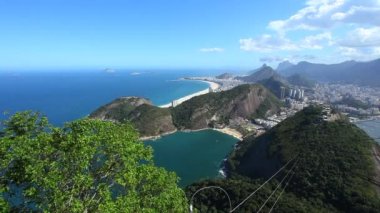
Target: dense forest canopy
x: 86, y: 166
x: 333, y: 171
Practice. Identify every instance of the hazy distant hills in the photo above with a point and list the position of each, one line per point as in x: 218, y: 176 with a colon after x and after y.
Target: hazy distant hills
x: 363, y: 73
x: 263, y: 73
x: 300, y: 80
x: 225, y: 76
x: 284, y: 65
x: 274, y: 81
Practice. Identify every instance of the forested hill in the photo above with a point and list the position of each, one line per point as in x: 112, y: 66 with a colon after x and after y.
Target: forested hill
x: 333, y: 166
x: 216, y: 109
x: 209, y: 110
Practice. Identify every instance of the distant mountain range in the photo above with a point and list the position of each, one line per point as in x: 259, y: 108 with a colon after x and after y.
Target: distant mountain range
x: 225, y: 76
x: 273, y: 81
x: 263, y: 73
x: 362, y: 73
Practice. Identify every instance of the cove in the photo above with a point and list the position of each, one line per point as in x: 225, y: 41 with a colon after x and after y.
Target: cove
x: 193, y: 156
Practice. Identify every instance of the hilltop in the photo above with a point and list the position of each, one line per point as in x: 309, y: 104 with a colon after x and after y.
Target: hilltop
x: 212, y: 110
x: 262, y: 73
x: 150, y: 120
x: 333, y: 166
x: 362, y: 73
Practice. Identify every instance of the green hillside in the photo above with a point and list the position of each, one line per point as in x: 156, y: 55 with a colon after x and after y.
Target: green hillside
x: 334, y: 166
x: 209, y: 110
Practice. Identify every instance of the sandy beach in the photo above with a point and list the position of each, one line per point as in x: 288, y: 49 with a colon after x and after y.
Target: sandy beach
x: 156, y: 137
x: 234, y: 133
x: 213, y: 85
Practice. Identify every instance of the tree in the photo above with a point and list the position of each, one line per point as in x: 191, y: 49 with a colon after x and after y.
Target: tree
x: 86, y: 166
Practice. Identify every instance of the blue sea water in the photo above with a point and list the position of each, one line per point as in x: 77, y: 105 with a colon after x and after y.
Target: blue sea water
x: 372, y: 127
x: 69, y: 95
x: 193, y: 156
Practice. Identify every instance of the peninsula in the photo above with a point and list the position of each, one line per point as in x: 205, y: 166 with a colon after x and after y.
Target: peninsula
x: 216, y: 110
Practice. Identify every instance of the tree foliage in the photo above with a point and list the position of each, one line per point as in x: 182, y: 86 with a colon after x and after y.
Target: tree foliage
x: 86, y: 166
x: 333, y: 173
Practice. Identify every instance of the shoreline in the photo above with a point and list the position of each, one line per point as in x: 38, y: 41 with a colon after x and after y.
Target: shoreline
x: 373, y: 118
x: 157, y: 136
x: 232, y: 132
x: 228, y: 131
x: 214, y: 86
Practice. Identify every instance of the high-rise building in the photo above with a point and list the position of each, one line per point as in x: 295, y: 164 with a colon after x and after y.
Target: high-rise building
x: 282, y: 93
x: 290, y: 92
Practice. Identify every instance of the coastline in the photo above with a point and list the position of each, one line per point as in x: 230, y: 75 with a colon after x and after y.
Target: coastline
x: 228, y: 131
x: 372, y: 118
x: 157, y: 136
x: 214, y: 86
x: 232, y: 132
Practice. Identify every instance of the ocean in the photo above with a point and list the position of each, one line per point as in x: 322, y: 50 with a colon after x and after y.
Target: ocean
x: 371, y: 127
x: 69, y: 95
x: 193, y: 156
x: 66, y: 96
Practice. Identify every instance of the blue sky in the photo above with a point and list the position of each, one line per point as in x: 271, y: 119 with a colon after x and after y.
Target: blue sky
x: 183, y: 34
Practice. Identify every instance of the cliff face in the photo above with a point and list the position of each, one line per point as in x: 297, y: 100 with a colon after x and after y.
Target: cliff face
x: 209, y: 110
x: 216, y: 109
x: 149, y: 120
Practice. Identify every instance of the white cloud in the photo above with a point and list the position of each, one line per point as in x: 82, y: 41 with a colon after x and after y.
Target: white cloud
x: 362, y: 37
x: 362, y: 53
x: 324, y: 14
x: 270, y: 59
x: 212, y: 49
x: 269, y: 43
x: 292, y: 58
x: 359, y: 14
x: 352, y: 27
x: 361, y: 44
x: 317, y: 41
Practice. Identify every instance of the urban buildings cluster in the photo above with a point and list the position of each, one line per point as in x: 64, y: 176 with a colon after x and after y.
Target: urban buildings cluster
x: 334, y: 94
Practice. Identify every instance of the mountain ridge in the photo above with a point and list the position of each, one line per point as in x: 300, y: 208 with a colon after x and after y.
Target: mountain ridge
x: 212, y: 110
x: 362, y: 73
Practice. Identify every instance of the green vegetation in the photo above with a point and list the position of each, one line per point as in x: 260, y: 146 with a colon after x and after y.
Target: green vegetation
x: 198, y: 111
x: 151, y: 120
x: 352, y: 102
x: 209, y: 110
x: 301, y: 80
x: 334, y: 166
x: 148, y: 119
x: 263, y: 109
x: 274, y: 86
x: 214, y: 200
x: 209, y: 103
x: 86, y: 166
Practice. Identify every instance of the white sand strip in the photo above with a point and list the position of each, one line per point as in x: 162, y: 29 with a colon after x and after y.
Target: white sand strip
x: 229, y: 131
x: 214, y: 86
